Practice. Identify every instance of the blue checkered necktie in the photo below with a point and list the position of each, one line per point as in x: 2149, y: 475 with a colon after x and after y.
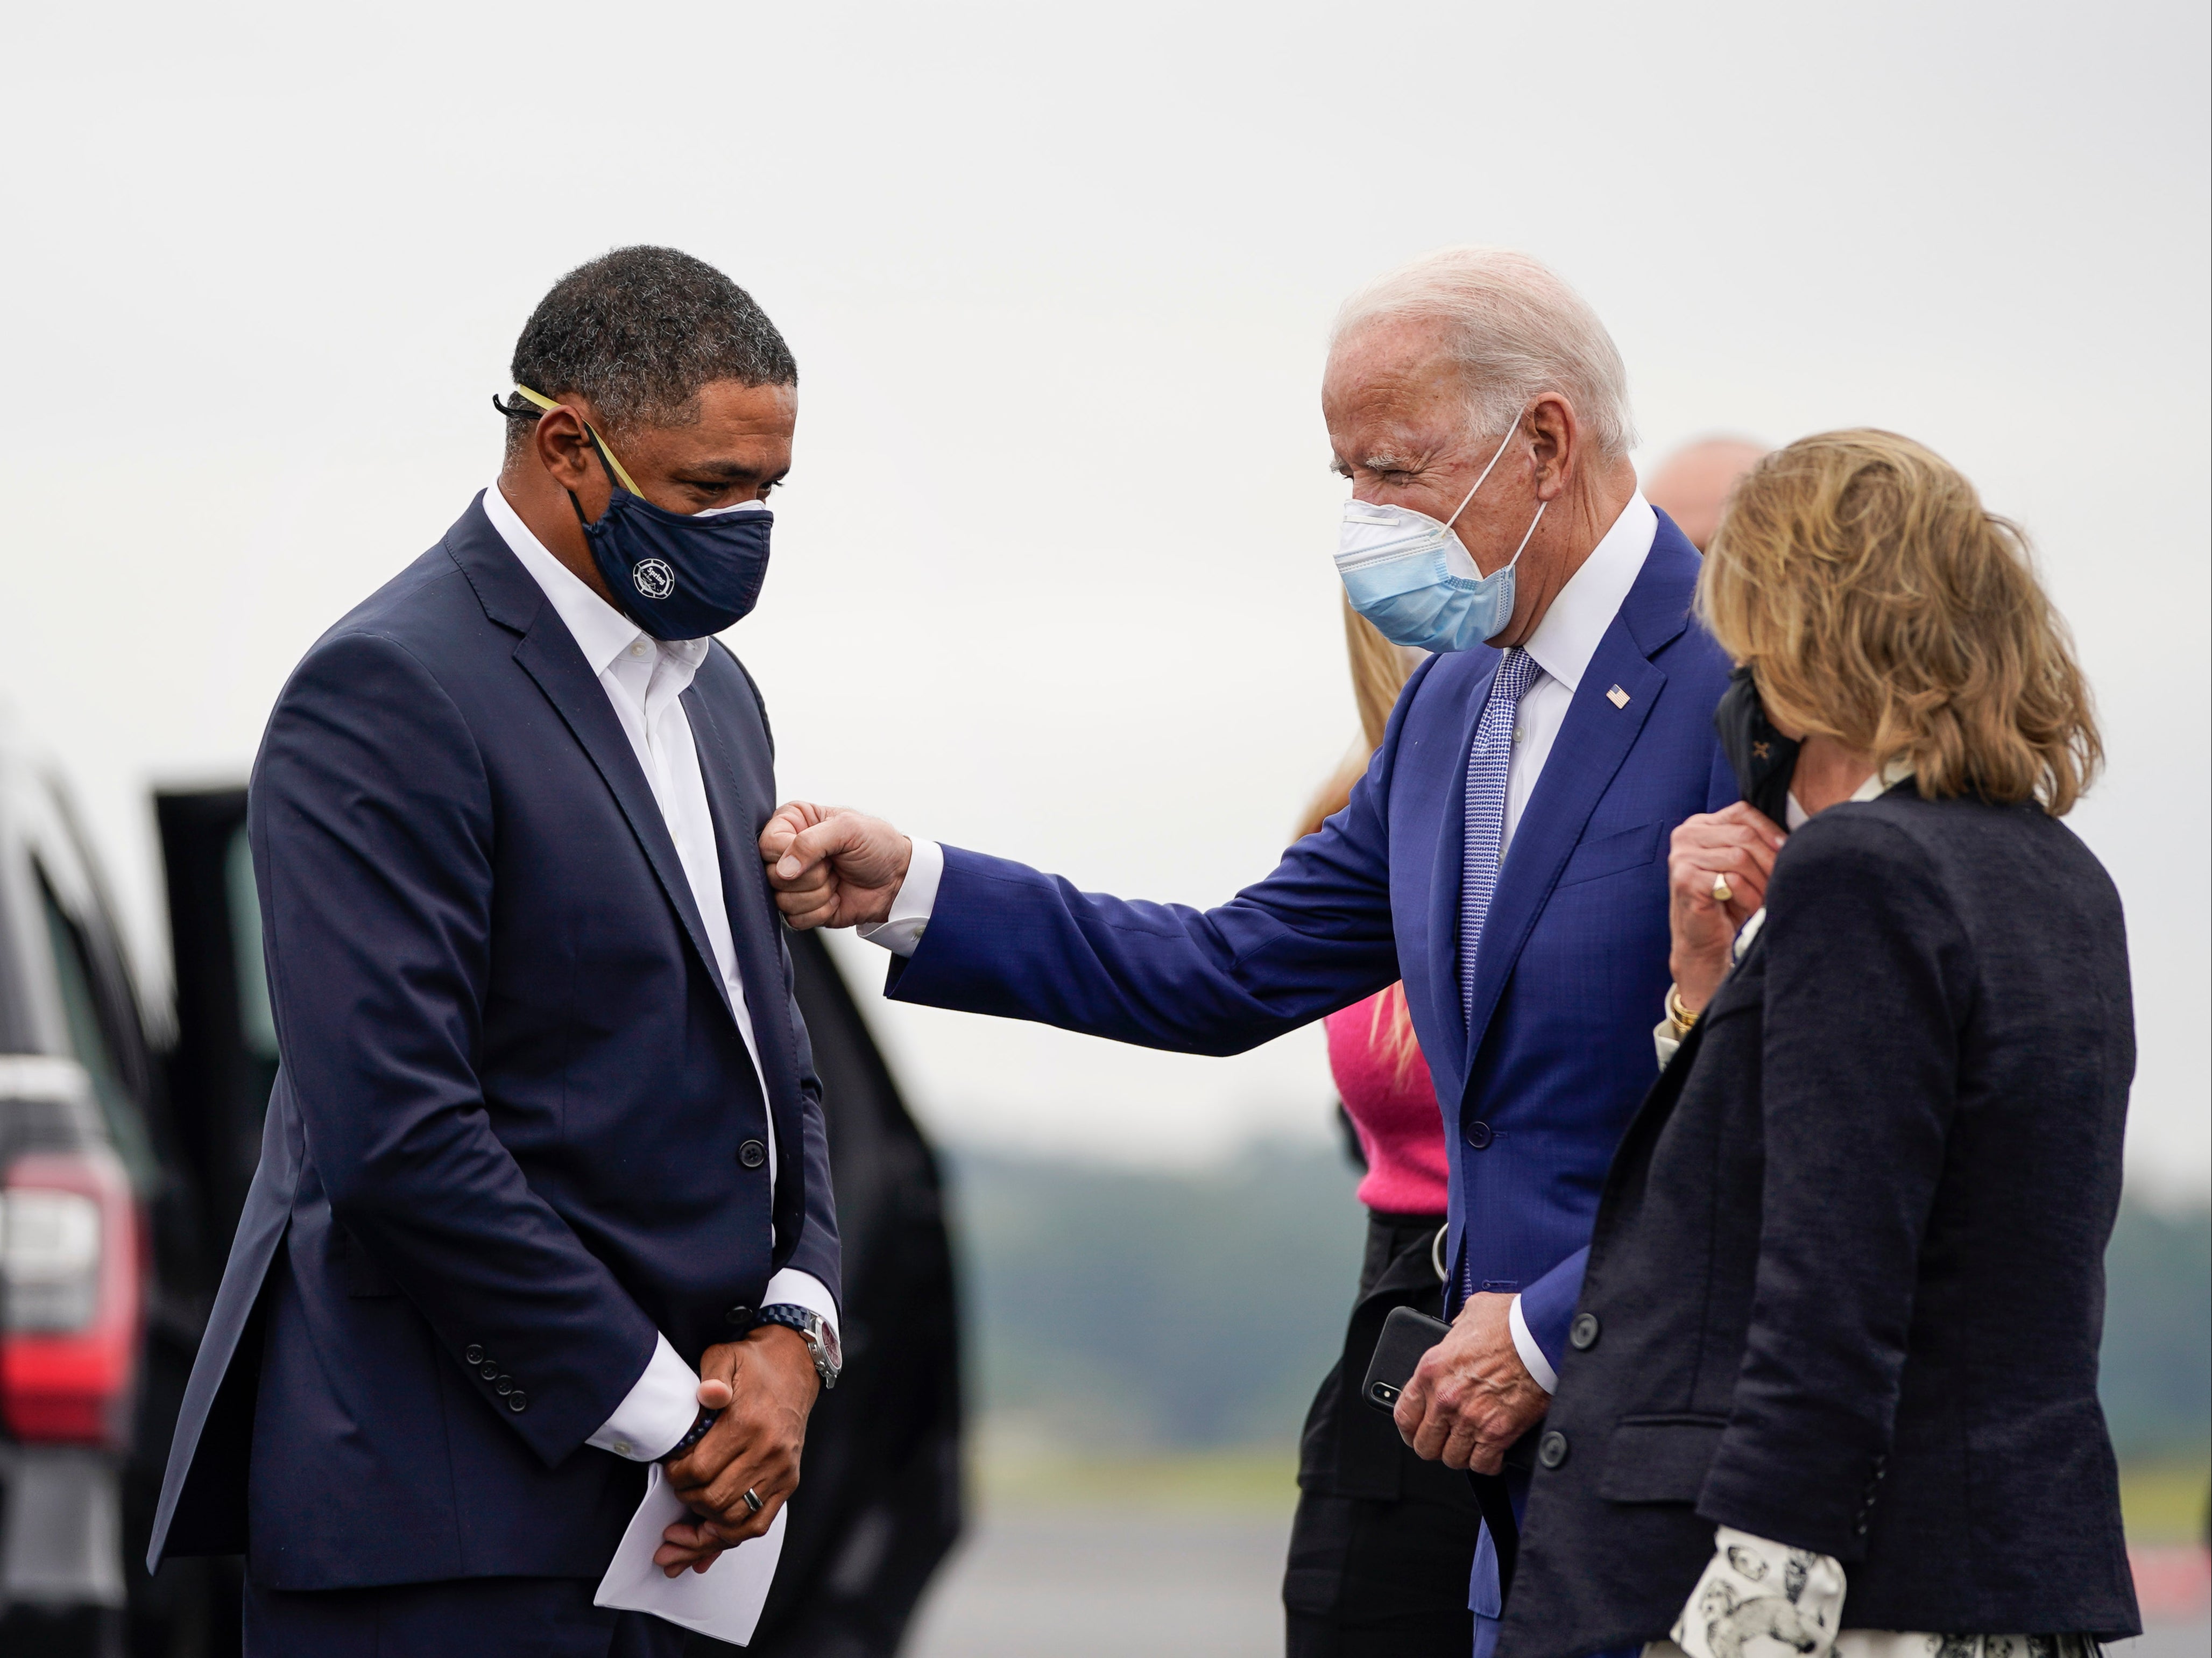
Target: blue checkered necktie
x: 1486, y: 766
x: 1487, y: 763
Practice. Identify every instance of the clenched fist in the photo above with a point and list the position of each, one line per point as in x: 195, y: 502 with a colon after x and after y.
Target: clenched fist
x: 832, y: 866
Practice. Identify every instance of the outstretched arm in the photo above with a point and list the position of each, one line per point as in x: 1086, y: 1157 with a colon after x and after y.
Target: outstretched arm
x: 1006, y: 939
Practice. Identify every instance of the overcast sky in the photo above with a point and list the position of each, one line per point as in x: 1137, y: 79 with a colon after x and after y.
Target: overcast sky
x: 1052, y: 577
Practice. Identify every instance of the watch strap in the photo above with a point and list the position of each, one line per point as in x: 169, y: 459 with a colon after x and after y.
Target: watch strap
x: 699, y: 1430
x: 808, y: 1323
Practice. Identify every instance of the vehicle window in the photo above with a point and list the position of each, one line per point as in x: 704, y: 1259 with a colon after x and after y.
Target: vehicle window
x: 256, y: 1025
x: 90, y: 1041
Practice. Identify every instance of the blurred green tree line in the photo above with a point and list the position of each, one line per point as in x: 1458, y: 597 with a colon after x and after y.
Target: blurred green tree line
x: 1111, y: 1308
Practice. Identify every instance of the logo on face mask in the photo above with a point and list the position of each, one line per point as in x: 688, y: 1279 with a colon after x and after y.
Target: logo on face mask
x: 653, y: 579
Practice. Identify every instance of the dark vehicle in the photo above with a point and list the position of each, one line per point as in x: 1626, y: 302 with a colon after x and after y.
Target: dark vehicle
x: 125, y: 1161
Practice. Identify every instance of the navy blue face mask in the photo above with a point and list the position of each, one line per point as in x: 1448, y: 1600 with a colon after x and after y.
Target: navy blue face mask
x: 677, y: 575
x: 1764, y: 758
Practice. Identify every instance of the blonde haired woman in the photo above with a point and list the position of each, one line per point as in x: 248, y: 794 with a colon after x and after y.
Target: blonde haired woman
x: 1834, y: 1382
x: 1380, y: 1546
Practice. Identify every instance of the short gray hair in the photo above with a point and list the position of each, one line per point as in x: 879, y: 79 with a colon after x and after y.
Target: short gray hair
x: 1515, y: 329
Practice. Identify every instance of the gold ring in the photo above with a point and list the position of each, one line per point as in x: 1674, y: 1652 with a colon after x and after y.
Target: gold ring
x: 1722, y: 892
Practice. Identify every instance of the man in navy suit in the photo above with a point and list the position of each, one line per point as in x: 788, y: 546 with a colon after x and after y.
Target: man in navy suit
x: 543, y: 1194
x: 1504, y: 855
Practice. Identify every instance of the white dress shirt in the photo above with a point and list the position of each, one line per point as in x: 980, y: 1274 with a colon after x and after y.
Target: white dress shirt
x: 645, y: 679
x: 1563, y: 644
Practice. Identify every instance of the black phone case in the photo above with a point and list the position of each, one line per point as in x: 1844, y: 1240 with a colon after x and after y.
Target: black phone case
x: 1406, y: 1336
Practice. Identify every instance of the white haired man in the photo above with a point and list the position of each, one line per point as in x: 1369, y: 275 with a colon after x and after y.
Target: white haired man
x: 1504, y: 855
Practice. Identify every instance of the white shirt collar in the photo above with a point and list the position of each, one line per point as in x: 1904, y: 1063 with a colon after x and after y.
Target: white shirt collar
x: 601, y: 632
x: 1877, y: 784
x: 1568, y: 636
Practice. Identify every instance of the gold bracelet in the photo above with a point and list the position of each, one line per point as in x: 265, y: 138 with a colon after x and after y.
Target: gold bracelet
x: 1683, y: 1017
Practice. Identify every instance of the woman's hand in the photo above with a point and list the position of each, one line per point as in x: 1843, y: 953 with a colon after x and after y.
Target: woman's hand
x: 1740, y: 843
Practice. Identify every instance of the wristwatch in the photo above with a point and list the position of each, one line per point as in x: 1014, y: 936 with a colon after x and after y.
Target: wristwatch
x: 819, y: 1334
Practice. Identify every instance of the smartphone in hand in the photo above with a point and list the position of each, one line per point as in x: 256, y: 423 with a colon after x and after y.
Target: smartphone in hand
x: 1406, y: 1336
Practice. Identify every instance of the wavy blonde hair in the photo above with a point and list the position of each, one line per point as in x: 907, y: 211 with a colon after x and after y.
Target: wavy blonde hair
x: 1379, y: 672
x: 1876, y: 601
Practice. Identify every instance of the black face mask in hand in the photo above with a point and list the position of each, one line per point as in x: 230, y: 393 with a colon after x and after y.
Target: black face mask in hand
x: 1763, y: 757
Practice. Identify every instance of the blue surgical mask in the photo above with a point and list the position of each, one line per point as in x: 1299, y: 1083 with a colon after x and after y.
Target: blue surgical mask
x: 1408, y: 574
x: 677, y: 575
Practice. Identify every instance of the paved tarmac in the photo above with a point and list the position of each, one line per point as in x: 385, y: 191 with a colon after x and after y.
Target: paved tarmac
x: 1076, y: 1584
x: 1073, y: 1583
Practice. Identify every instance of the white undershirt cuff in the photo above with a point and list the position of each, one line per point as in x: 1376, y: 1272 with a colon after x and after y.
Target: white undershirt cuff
x: 901, y: 932
x: 658, y: 1411
x: 1532, y: 1356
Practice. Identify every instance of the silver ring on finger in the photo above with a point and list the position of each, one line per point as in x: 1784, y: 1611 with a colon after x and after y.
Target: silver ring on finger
x: 753, y: 1500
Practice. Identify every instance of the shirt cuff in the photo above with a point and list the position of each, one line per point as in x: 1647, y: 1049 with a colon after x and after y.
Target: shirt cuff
x: 660, y: 1410
x: 1666, y: 1038
x: 792, y: 1288
x: 1800, y: 1595
x: 1532, y: 1356
x: 901, y: 932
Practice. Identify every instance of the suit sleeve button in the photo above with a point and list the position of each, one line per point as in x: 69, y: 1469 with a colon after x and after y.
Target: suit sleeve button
x: 738, y: 1318
x: 518, y: 1401
x: 1582, y: 1335
x: 752, y: 1154
x: 504, y: 1386
x: 1552, y: 1449
x: 473, y: 1354
x: 489, y: 1368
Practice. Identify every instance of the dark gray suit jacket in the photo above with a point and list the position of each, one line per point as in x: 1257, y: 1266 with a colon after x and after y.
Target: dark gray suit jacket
x: 1846, y: 1285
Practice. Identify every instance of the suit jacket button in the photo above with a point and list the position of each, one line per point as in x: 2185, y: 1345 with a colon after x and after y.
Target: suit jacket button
x: 1552, y: 1449
x: 489, y: 1368
x: 518, y: 1401
x: 1582, y: 1335
x: 738, y: 1318
x: 473, y: 1355
x: 1478, y: 1135
x: 752, y: 1154
x: 504, y: 1386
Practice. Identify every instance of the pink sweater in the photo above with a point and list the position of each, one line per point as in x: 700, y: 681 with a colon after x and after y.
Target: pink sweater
x: 1393, y: 1108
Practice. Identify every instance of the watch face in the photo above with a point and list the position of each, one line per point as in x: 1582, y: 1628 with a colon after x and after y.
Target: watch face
x: 830, y: 1345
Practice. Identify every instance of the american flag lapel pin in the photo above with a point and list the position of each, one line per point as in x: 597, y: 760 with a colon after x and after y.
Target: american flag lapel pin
x: 1617, y: 697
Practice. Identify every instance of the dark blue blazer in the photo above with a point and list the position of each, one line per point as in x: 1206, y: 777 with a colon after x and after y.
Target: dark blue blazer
x: 515, y: 1131
x: 1570, y: 979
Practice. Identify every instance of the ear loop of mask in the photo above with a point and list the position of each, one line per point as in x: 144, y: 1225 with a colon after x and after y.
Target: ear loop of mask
x: 1511, y: 432
x: 616, y: 471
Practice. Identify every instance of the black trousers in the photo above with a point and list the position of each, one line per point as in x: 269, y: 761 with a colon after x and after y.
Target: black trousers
x: 463, y: 1618
x: 1382, y: 1542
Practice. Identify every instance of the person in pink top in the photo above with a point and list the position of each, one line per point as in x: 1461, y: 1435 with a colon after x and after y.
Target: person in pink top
x: 1380, y: 1544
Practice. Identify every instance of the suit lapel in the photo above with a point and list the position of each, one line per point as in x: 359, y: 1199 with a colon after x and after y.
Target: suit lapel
x: 1594, y: 739
x: 547, y: 652
x: 753, y: 933
x: 1592, y: 742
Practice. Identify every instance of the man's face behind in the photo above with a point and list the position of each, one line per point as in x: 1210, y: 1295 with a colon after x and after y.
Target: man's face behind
x: 737, y: 450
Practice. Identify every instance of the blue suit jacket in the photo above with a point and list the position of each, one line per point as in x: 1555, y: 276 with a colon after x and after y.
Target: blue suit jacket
x: 1570, y: 978
x: 508, y: 1138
